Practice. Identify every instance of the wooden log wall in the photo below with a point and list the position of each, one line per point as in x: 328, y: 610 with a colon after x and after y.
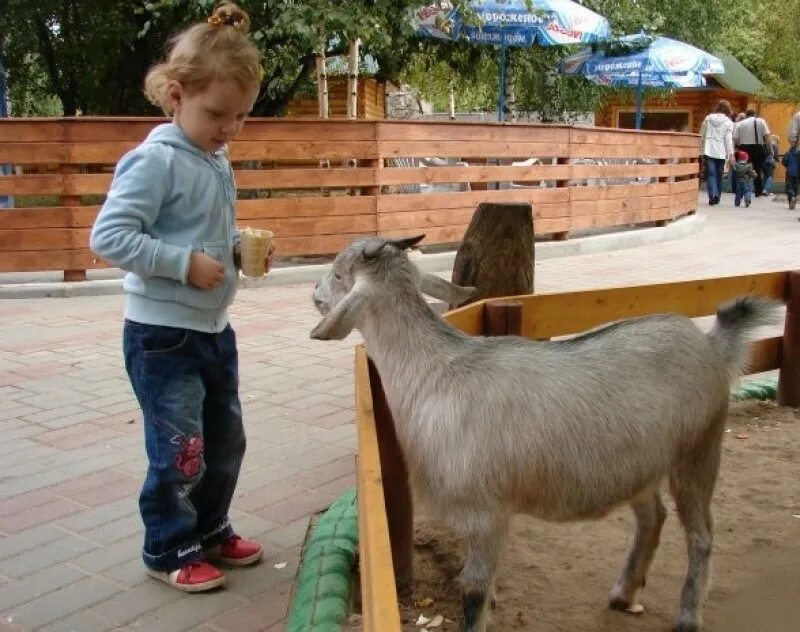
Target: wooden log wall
x: 373, y: 184
x: 371, y: 102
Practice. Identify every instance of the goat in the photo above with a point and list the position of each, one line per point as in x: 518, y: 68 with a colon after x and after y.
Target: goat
x: 561, y: 430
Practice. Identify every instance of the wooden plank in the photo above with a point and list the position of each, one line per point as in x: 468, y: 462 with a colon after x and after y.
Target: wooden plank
x: 313, y: 226
x: 434, y: 201
x: 44, y: 239
x: 303, y: 178
x: 469, y: 319
x: 486, y: 173
x: 60, y: 184
x: 319, y: 245
x: 765, y: 355
x: 389, y: 131
x: 379, y: 602
x: 47, y: 217
x: 277, y: 207
x: 455, y: 148
x: 424, y: 220
x: 36, y: 260
x: 548, y: 315
x: 580, y: 150
x: 302, y: 147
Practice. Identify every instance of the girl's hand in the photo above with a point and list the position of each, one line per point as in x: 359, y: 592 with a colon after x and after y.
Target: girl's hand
x: 205, y: 273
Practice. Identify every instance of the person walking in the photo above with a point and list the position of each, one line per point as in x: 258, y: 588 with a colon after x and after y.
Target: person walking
x: 753, y: 136
x: 791, y: 160
x: 716, y: 147
x: 771, y: 161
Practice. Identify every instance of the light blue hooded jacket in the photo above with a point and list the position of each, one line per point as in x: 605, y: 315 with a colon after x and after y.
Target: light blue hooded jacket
x: 168, y: 199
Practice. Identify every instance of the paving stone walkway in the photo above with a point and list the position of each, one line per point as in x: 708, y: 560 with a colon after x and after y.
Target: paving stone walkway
x: 72, y: 457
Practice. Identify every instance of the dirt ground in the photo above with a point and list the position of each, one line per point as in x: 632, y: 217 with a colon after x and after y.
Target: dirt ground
x: 554, y: 578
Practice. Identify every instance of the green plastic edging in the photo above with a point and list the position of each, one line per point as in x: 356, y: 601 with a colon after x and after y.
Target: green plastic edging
x: 766, y: 388
x: 322, y: 597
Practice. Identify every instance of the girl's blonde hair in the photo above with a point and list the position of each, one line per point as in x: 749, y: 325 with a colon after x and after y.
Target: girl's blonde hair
x: 218, y: 48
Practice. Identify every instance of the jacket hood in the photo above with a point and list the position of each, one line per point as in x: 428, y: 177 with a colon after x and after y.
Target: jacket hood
x: 171, y: 134
x: 718, y: 119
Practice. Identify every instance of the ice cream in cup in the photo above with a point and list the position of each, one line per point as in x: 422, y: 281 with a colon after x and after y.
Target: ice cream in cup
x: 255, y: 244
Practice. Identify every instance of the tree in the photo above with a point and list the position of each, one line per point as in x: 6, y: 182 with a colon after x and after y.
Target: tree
x: 95, y: 54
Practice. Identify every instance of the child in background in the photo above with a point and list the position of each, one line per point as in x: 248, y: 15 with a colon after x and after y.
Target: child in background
x: 791, y: 160
x: 745, y: 175
x: 770, y: 162
x: 169, y: 221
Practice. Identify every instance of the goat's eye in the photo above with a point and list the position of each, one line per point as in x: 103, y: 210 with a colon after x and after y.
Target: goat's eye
x: 337, y: 276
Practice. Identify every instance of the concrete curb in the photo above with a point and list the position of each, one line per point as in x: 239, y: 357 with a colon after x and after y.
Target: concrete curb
x: 433, y: 262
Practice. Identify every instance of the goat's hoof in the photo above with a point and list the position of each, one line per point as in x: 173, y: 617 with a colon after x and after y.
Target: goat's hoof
x: 617, y: 603
x: 686, y: 626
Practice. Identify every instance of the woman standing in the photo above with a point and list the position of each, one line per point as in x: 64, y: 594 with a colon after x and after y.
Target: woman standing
x: 716, y: 146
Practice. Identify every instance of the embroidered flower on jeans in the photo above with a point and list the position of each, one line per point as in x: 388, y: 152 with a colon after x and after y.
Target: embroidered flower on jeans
x: 190, y: 459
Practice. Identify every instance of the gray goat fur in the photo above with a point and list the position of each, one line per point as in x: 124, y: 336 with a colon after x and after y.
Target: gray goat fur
x: 565, y: 430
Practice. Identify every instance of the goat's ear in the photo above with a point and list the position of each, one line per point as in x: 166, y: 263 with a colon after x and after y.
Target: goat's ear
x: 406, y: 242
x: 451, y: 293
x: 339, y: 322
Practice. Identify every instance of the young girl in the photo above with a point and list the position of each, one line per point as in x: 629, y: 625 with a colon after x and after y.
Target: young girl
x: 169, y: 221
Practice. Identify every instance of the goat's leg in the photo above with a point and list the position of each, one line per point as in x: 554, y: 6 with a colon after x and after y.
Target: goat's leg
x: 692, y: 485
x: 650, y: 516
x: 485, y: 541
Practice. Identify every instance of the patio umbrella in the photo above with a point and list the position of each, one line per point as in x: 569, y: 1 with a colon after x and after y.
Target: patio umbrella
x: 654, y: 63
x: 511, y: 23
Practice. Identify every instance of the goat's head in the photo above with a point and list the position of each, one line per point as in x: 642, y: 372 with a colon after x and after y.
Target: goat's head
x: 363, y: 272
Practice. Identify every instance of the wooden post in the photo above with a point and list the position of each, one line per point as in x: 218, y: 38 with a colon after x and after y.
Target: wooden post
x: 322, y: 77
x: 397, y: 492
x: 71, y: 201
x: 789, y: 380
x: 496, y: 254
x: 452, y: 102
x: 561, y: 184
x: 502, y: 318
x: 352, y: 80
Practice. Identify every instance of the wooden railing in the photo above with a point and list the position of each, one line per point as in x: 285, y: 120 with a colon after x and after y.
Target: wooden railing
x: 319, y: 184
x: 385, y: 537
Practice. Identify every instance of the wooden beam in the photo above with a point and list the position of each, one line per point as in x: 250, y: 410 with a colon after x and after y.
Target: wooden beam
x: 549, y: 315
x: 379, y: 597
x: 789, y: 379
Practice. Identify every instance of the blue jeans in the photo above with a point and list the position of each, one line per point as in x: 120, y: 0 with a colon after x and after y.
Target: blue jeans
x: 744, y: 191
x: 769, y: 171
x: 792, y: 185
x: 187, y: 383
x: 714, y: 169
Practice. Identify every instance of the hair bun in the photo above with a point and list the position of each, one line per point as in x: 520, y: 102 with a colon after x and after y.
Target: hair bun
x: 230, y: 14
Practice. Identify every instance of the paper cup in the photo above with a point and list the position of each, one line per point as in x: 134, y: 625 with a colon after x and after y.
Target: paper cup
x: 255, y: 246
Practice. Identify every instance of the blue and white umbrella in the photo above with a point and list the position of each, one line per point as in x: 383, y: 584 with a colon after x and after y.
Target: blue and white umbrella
x: 663, y: 63
x: 512, y: 23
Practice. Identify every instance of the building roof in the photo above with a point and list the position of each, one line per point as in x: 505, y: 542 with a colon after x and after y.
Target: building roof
x: 736, y: 76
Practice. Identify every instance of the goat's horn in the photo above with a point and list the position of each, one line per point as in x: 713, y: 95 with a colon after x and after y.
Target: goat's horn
x: 451, y: 293
x: 406, y: 242
x: 373, y: 248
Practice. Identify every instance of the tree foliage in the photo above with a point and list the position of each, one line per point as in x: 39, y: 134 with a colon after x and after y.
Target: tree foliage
x: 92, y: 55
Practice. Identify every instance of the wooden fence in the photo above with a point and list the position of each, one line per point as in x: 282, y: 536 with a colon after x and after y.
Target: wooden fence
x: 319, y: 184
x: 384, y: 498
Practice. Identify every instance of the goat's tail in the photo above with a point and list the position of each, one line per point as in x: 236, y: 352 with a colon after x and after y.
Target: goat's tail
x: 735, y: 322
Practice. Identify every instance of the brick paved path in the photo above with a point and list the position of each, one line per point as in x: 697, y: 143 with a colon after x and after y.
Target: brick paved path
x: 72, y: 455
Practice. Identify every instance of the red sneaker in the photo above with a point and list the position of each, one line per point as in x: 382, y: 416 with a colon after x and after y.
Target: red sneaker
x: 194, y: 577
x: 238, y: 552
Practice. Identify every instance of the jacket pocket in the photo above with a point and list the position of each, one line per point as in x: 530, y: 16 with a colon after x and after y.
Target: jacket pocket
x: 220, y: 296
